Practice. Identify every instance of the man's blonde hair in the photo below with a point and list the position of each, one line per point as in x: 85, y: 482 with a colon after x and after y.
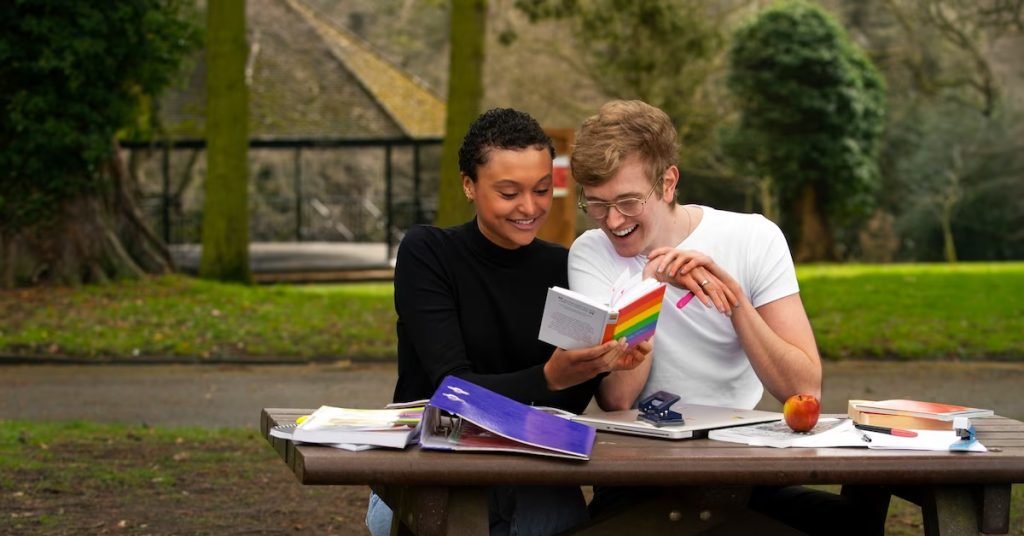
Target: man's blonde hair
x: 620, y: 130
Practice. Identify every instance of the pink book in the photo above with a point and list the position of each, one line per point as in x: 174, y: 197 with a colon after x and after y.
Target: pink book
x: 917, y: 408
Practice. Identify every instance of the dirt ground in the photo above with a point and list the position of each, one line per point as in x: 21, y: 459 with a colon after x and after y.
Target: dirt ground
x: 260, y: 496
x: 263, y: 497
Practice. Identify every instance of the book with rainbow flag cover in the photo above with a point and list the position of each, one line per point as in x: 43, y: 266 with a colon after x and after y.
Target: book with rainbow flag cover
x: 572, y: 320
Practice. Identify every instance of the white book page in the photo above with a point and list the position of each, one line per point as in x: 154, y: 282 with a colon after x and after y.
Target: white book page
x: 925, y: 440
x: 571, y: 320
x: 619, y: 287
x: 631, y: 288
x: 829, y: 432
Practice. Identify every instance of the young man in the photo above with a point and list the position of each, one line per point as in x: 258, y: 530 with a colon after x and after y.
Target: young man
x: 752, y: 331
x: 749, y: 331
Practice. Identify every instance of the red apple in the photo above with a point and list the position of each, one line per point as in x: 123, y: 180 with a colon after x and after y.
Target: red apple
x: 801, y: 412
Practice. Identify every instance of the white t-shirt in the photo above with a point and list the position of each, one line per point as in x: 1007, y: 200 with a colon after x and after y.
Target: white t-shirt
x: 697, y: 353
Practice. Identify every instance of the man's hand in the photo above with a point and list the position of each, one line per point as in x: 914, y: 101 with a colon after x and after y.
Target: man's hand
x: 696, y: 272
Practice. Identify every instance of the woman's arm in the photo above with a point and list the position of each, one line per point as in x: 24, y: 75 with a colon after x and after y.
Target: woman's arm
x: 428, y: 310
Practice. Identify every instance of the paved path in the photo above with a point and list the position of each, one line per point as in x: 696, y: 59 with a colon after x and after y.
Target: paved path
x: 281, y: 262
x: 232, y: 395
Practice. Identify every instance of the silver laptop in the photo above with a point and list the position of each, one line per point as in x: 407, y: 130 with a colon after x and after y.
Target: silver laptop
x: 698, y: 420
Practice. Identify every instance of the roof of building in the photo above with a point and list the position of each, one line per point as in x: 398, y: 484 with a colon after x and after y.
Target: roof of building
x: 310, y: 77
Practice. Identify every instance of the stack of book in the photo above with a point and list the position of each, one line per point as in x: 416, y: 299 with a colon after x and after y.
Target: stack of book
x: 357, y: 429
x: 910, y: 414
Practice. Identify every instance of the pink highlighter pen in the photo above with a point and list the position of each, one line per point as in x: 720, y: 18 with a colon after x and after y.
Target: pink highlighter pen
x: 684, y: 300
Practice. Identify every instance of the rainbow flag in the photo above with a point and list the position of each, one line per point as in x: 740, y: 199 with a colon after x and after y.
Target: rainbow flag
x: 637, y: 320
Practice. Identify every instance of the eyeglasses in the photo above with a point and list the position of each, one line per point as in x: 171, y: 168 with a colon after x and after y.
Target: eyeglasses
x: 629, y: 206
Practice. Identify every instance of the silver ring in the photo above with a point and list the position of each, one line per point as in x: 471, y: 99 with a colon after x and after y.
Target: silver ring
x: 702, y: 283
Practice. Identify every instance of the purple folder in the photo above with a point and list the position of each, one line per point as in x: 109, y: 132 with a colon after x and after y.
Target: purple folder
x: 492, y: 422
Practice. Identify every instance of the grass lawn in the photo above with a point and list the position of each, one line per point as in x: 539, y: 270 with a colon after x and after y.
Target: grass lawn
x: 73, y: 478
x: 967, y: 311
x: 181, y: 316
x: 917, y: 311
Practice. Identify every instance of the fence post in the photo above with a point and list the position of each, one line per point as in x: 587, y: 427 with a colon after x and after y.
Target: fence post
x: 298, y: 194
x: 165, y: 210
x: 417, y: 204
x: 387, y: 201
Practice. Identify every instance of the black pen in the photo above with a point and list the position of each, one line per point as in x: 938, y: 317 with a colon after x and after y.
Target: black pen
x: 899, y: 432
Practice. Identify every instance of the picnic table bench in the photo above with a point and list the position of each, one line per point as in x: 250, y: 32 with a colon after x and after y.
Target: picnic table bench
x: 435, y: 492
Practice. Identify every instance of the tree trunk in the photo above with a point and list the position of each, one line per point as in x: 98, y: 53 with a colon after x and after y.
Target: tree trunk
x: 815, y: 240
x: 91, y: 239
x: 225, y: 253
x: 465, y: 91
x: 769, y: 205
x: 948, y: 242
x: 950, y: 197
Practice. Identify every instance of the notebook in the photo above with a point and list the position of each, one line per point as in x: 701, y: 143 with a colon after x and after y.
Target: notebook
x: 699, y: 419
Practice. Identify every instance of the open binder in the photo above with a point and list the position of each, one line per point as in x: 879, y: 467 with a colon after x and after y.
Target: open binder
x: 464, y: 416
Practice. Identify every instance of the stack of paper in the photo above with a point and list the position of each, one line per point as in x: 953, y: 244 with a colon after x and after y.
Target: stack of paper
x: 359, y: 429
x: 827, y: 433
x: 831, y: 432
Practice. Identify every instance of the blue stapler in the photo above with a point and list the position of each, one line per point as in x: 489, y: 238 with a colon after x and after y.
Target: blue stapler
x: 656, y: 409
x: 965, y: 431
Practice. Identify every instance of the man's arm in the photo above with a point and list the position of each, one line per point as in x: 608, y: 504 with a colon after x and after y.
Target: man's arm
x: 621, y: 388
x: 777, y: 338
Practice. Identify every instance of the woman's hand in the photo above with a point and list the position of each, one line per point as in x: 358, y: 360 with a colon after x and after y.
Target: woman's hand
x: 696, y: 272
x: 567, y: 368
x: 632, y: 357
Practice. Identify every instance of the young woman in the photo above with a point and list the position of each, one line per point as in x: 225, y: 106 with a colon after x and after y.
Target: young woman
x: 469, y: 300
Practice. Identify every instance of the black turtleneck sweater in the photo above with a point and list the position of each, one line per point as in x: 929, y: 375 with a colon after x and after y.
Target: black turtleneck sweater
x: 471, y: 308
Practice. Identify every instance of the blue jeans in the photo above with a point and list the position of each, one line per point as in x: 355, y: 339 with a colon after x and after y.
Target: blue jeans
x: 514, y: 511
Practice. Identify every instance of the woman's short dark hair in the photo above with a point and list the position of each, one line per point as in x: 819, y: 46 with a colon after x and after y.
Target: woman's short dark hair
x: 500, y: 128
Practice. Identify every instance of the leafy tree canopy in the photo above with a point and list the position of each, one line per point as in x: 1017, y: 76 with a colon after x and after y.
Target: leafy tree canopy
x: 663, y: 52
x: 71, y: 75
x: 960, y: 179
x: 812, y: 106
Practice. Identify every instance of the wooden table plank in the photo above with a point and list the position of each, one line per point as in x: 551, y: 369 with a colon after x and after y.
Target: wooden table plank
x: 959, y: 492
x: 708, y: 462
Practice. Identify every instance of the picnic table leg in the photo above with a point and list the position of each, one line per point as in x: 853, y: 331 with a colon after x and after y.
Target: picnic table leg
x: 688, y: 511
x: 872, y: 502
x: 967, y: 509
x: 995, y: 508
x: 435, y: 510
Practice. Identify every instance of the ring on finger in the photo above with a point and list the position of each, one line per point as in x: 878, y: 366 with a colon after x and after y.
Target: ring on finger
x: 702, y: 283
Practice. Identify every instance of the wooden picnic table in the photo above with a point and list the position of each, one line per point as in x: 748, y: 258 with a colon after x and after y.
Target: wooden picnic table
x: 446, y: 492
